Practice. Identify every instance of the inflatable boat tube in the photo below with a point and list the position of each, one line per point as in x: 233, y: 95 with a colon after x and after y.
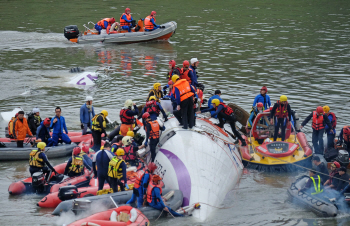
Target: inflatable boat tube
x: 304, y: 144
x: 79, y: 181
x: 12, y: 153
x: 321, y: 207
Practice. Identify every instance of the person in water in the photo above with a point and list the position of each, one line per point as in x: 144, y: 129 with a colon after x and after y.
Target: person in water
x: 154, y: 196
x: 150, y: 22
x: 152, y: 129
x: 314, y: 185
x: 263, y: 98
x: 34, y: 120
x: 154, y: 108
x: 38, y: 160
x: 217, y: 95
x: 319, y: 120
x: 104, y: 24
x: 117, y: 171
x: 126, y: 20
x: 259, y: 109
x: 75, y: 165
x: 43, y: 131
x: 58, y: 123
x: 330, y: 134
x: 283, y: 116
x: 21, y: 129
x: 98, y: 128
x: 100, y: 163
x: 87, y: 112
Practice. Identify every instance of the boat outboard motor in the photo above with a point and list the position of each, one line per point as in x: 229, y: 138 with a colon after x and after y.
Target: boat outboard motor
x: 68, y: 192
x: 343, y: 158
x: 71, y: 32
x: 38, y: 181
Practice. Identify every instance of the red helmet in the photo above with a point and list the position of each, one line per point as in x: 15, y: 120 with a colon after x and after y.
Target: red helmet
x: 85, y: 149
x: 76, y: 151
x: 127, y: 9
x: 153, y: 12
x: 47, y: 122
x: 156, y: 178
x: 112, y: 20
x: 170, y: 83
x: 264, y: 88
x: 146, y: 115
x: 319, y: 110
x: 260, y: 105
x: 186, y: 63
x: 172, y: 63
x: 346, y: 130
x: 152, y: 167
x: 337, y: 165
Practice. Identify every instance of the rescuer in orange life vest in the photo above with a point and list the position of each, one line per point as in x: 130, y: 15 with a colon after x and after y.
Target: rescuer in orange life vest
x: 152, y: 129
x: 319, y: 120
x: 150, y: 22
x: 281, y: 110
x: 140, y: 187
x: 103, y: 24
x: 187, y: 73
x: 126, y: 20
x: 344, y: 136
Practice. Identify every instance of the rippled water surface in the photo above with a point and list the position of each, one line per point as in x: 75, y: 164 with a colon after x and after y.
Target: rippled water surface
x: 296, y: 48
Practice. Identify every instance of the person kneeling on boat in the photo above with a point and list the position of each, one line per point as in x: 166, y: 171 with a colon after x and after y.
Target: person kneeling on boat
x: 75, y: 164
x: 259, y: 109
x: 43, y: 131
x: 344, y: 138
x: 332, y: 182
x: 117, y: 171
x: 38, y: 160
x: 126, y: 20
x: 152, y: 129
x: 140, y: 187
x: 282, y: 111
x: 98, y: 128
x: 130, y: 151
x: 224, y: 112
x: 314, y: 185
x: 154, y: 196
x: 154, y: 108
x: 103, y: 24
x: 150, y: 22
x: 58, y: 123
x: 100, y: 163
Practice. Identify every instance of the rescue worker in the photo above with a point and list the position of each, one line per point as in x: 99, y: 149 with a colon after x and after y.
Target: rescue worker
x: 38, y: 160
x: 58, y: 123
x: 225, y: 112
x: 125, y: 20
x: 87, y: 112
x: 117, y: 143
x: 281, y: 111
x: 10, y: 126
x: 170, y: 86
x: 127, y: 117
x: 330, y: 134
x: 314, y: 184
x: 156, y: 92
x: 85, y: 150
x: 98, y: 128
x: 75, y: 164
x: 343, y: 179
x: 217, y: 95
x: 100, y: 165
x: 21, y: 129
x: 154, y: 196
x: 187, y: 73
x: 43, y: 131
x: 259, y: 109
x: 132, y: 134
x: 34, y: 120
x: 152, y: 129
x: 332, y: 182
x: 150, y: 22
x: 117, y: 172
x: 140, y: 186
x: 319, y: 120
x: 263, y: 98
x: 104, y: 24
x: 130, y: 150
x: 154, y: 108
x: 183, y: 94
x: 193, y: 67
x: 344, y: 138
x: 321, y: 168
x: 173, y: 70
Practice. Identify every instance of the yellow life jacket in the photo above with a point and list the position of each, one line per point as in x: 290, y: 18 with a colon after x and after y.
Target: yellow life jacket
x: 77, y: 165
x: 96, y: 125
x: 82, y: 153
x: 114, y: 169
x: 34, y: 159
x: 317, y: 188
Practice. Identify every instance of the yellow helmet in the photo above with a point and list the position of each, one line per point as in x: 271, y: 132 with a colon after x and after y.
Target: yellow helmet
x: 127, y: 140
x: 216, y: 102
x: 130, y: 133
x: 152, y: 98
x: 41, y: 145
x: 128, y: 103
x: 174, y: 78
x: 326, y: 109
x: 120, y: 152
x: 104, y: 112
x: 283, y: 98
x: 156, y: 85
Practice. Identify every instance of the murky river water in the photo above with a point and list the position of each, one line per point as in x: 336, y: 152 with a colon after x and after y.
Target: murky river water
x: 296, y: 48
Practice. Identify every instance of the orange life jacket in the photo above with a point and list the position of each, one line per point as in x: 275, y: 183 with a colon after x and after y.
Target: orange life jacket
x: 281, y: 112
x: 152, y: 107
x: 130, y: 155
x: 184, y: 75
x: 317, y: 121
x: 124, y: 118
x: 346, y: 134
x: 124, y: 22
x: 139, y: 178
x: 154, y: 133
x: 184, y: 89
x: 101, y: 23
x: 150, y: 188
x: 334, y: 120
x: 227, y: 110
x: 148, y: 24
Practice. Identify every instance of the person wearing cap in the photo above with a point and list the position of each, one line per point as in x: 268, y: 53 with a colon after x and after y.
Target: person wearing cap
x: 98, y: 128
x: 117, y: 171
x: 154, y: 108
x: 75, y: 165
x: 10, y: 126
x: 117, y: 143
x: 319, y: 120
x: 43, y: 131
x: 100, y: 162
x: 87, y: 112
x: 127, y: 117
x: 217, y: 95
x: 34, y: 120
x: 104, y: 24
x: 154, y: 196
x: 314, y: 185
x: 343, y: 179
x: 332, y: 181
x: 58, y: 123
x: 150, y: 22
x: 21, y: 129
x: 193, y: 66
x: 321, y: 168
x: 173, y: 70
x: 38, y: 160
x: 152, y: 129
x: 125, y: 20
x: 282, y: 112
x: 263, y: 98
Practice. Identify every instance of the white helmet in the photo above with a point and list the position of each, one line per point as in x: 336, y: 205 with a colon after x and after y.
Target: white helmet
x: 128, y: 103
x: 36, y: 110
x: 127, y: 140
x: 194, y: 60
x: 89, y: 98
